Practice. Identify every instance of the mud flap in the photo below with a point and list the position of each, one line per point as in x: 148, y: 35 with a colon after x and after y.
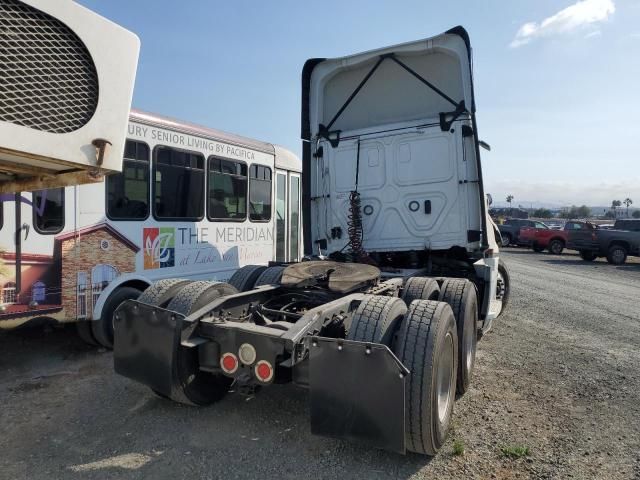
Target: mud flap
x: 146, y: 340
x: 357, y: 392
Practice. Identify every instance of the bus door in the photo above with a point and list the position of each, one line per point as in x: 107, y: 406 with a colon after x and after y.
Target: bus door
x: 288, y: 221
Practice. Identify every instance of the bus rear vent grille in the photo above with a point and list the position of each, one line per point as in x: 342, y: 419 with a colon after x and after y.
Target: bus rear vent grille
x: 48, y: 80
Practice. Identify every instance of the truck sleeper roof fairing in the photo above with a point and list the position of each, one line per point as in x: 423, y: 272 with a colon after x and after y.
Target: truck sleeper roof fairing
x: 397, y: 125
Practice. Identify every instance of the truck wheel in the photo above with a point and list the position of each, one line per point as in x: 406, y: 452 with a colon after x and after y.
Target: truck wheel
x: 376, y: 318
x: 103, y: 329
x: 537, y: 248
x: 270, y: 276
x: 246, y: 277
x: 428, y: 347
x: 617, y: 255
x: 85, y: 332
x: 420, y: 288
x: 503, y: 286
x: 197, y: 387
x: 461, y: 296
x: 587, y: 255
x: 556, y: 246
x: 160, y: 293
x: 506, y: 240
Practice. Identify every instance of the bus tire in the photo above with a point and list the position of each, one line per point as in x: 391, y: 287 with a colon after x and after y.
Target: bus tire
x: 376, y: 319
x: 270, y: 276
x: 103, y: 328
x: 197, y: 387
x: 428, y: 346
x: 420, y: 288
x: 461, y: 296
x: 246, y: 277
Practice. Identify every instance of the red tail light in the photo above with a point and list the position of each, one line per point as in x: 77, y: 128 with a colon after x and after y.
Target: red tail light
x: 229, y: 363
x: 264, y: 371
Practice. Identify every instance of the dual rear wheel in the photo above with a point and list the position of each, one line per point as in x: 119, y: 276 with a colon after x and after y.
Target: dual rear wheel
x: 424, y: 337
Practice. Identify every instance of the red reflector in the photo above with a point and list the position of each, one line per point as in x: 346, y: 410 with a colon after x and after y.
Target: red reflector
x: 229, y: 363
x: 264, y: 371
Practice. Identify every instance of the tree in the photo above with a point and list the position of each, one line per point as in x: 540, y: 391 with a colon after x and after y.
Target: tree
x: 583, y: 212
x: 636, y: 214
x: 615, y: 204
x: 542, y: 213
x: 509, y: 200
x: 627, y: 201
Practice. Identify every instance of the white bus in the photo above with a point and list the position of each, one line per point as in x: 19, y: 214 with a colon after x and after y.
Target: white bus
x: 190, y: 202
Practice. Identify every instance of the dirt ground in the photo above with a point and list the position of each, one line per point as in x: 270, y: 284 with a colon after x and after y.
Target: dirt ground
x: 557, y: 380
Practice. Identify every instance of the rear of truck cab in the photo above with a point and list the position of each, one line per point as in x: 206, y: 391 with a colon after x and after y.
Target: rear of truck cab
x: 398, y: 126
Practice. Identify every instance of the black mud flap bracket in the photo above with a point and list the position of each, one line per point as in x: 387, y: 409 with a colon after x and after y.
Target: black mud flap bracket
x: 357, y: 392
x: 146, y: 341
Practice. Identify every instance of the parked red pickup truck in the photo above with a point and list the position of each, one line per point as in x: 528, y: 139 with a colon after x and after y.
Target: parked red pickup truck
x: 546, y: 238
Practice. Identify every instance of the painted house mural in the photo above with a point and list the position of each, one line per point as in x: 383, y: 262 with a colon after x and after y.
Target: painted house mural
x: 67, y: 283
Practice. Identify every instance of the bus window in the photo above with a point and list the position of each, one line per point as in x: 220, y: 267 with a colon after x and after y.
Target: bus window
x: 227, y: 194
x: 48, y: 211
x: 294, y: 218
x: 178, y: 187
x: 128, y: 192
x: 260, y: 193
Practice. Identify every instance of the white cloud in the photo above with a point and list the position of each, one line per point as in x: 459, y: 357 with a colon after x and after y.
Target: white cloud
x: 594, y: 34
x: 575, y: 17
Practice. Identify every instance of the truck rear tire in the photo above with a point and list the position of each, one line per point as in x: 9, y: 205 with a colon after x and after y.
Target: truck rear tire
x: 556, y: 247
x: 376, y: 319
x: 616, y: 255
x: 270, y: 276
x: 245, y: 277
x: 420, y: 288
x: 197, y: 387
x: 588, y: 255
x: 428, y: 346
x: 103, y: 328
x: 461, y: 296
x: 160, y: 293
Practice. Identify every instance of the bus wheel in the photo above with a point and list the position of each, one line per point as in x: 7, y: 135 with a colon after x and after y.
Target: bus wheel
x: 103, y: 328
x: 428, y: 346
x: 85, y: 332
x: 197, y: 387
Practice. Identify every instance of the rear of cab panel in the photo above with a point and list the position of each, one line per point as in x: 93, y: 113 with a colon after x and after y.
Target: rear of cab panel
x: 418, y: 177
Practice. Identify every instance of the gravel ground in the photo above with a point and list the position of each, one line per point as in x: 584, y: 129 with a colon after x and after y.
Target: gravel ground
x: 558, y: 375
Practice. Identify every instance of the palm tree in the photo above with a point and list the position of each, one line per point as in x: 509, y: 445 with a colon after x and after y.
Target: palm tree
x: 627, y: 201
x: 509, y: 200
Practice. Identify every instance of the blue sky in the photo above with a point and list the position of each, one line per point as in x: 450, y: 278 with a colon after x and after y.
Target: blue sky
x: 557, y: 82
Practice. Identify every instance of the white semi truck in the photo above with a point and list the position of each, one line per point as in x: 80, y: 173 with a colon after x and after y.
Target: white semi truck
x: 402, y: 270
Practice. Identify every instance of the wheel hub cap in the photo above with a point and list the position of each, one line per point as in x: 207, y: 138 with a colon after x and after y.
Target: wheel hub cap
x: 445, y: 378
